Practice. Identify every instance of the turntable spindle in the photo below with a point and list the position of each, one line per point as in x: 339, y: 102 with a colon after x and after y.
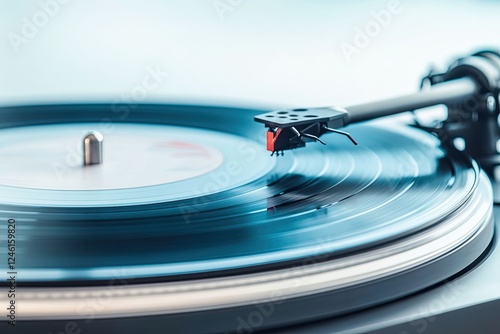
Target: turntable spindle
x: 92, y: 148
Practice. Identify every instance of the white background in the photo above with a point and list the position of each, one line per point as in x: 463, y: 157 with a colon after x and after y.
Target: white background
x: 261, y: 52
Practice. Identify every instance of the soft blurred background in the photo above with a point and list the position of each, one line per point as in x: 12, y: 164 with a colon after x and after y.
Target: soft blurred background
x: 237, y: 52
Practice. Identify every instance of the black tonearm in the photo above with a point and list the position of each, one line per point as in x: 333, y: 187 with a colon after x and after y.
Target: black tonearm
x: 470, y: 89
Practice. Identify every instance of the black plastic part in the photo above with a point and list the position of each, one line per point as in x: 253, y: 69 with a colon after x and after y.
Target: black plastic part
x: 292, y: 128
x: 303, y: 117
x: 475, y: 121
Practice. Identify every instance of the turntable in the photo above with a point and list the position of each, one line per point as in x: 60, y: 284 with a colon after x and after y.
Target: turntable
x: 175, y: 217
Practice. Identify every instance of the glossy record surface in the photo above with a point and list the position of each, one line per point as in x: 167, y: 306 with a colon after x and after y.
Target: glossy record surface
x: 333, y: 199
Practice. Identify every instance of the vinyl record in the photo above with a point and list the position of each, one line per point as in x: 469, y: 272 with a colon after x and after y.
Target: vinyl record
x: 190, y: 208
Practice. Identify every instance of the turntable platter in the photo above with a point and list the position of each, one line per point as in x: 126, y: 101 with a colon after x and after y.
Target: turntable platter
x: 178, y: 187
x: 232, y: 215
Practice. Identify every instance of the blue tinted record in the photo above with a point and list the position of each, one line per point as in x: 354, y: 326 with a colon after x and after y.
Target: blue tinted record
x: 187, y: 191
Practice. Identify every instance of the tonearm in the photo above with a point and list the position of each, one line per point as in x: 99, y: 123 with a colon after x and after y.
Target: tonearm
x: 470, y: 89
